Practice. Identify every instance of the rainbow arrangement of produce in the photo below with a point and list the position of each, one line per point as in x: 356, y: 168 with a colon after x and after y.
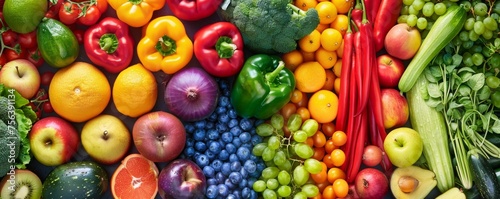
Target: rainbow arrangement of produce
x: 299, y: 99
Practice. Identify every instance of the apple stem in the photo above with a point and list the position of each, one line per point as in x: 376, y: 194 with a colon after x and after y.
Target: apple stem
x: 105, y: 135
x: 18, y: 73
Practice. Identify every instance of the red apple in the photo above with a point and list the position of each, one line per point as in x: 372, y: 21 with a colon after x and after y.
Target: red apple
x: 182, y: 178
x: 53, y: 141
x: 394, y: 108
x: 402, y: 41
x: 22, y: 75
x: 371, y: 183
x: 159, y: 136
x: 390, y: 70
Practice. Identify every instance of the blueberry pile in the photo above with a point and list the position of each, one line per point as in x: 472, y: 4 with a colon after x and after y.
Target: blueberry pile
x: 221, y: 145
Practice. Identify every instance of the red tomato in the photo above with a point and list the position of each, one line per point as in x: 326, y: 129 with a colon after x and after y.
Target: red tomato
x: 102, y: 5
x: 68, y: 13
x: 35, y: 57
x: 9, y: 38
x: 53, y: 10
x: 3, y: 59
x: 91, y: 16
x: 28, y: 40
x: 372, y: 155
x: 12, y: 54
x: 79, y: 34
x: 47, y: 107
x: 46, y: 78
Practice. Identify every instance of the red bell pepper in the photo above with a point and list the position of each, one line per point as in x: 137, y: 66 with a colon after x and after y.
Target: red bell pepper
x: 219, y: 49
x: 386, y: 18
x: 109, y: 45
x: 193, y: 10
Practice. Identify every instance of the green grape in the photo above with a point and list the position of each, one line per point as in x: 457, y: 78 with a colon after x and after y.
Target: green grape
x: 300, y: 136
x: 476, y: 49
x: 270, y: 164
x: 418, y: 4
x: 310, y: 190
x: 264, y: 130
x: 300, y: 175
x: 494, y: 60
x: 405, y: 10
x: 273, y: 142
x: 477, y: 59
x: 479, y: 27
x: 487, y: 34
x: 412, y: 20
x: 310, y: 126
x: 280, y: 132
x: 272, y: 183
x: 279, y: 158
x: 422, y: 23
x: 469, y: 24
x: 258, y: 149
x: 259, y: 186
x: 466, y: 5
x: 463, y: 35
x: 294, y: 122
x: 490, y: 23
x: 496, y: 7
x: 268, y: 154
x: 313, y: 166
x: 429, y: 25
x: 284, y: 177
x: 270, y: 173
x: 284, y: 191
x: 480, y: 9
x: 303, y: 150
x: 428, y: 9
x: 300, y: 195
x: 495, y: 16
x: 439, y: 8
x: 277, y: 121
x: 412, y: 10
x: 467, y: 44
x: 473, y: 36
x: 467, y: 59
x: 287, y: 166
x: 493, y: 81
x: 408, y: 2
x: 269, y: 194
x: 402, y: 18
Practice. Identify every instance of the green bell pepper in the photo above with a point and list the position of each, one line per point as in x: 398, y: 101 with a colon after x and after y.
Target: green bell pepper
x: 262, y: 87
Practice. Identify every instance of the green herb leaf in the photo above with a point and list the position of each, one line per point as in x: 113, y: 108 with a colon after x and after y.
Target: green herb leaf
x: 476, y: 81
x: 433, y: 90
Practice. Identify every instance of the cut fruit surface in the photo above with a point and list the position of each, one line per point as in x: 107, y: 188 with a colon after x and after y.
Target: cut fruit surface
x: 136, y: 177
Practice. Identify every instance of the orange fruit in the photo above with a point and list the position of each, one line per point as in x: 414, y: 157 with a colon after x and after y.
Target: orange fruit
x: 330, y: 39
x: 79, y: 92
x: 335, y: 173
x: 340, y: 50
x: 330, y: 80
x: 136, y: 177
x: 135, y: 91
x: 309, y: 77
x: 322, y: 27
x: 337, y: 68
x: 340, y: 23
x: 310, y: 42
x: 307, y: 56
x: 341, y: 188
x: 305, y: 4
x: 327, y: 12
x: 343, y: 6
x: 323, y: 106
x: 336, y: 85
x: 292, y: 59
x: 326, y: 58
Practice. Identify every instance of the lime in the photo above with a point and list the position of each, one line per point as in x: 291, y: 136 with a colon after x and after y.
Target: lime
x: 23, y: 16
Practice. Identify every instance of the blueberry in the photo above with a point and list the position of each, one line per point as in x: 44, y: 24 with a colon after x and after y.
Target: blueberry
x: 202, y: 160
x: 209, y: 125
x: 246, y: 124
x: 214, y: 147
x: 230, y: 185
x: 237, y: 142
x: 223, y: 101
x: 224, y: 118
x: 247, y: 145
x: 200, y: 124
x: 223, y: 155
x: 250, y: 166
x: 243, y: 153
x: 230, y: 148
x: 245, y: 137
x: 254, y: 174
x: 250, y: 182
x: 243, y: 172
x: 221, y: 127
x: 189, y: 151
x: 232, y: 114
x: 190, y: 142
x: 199, y: 135
x: 256, y: 139
x: 200, y: 146
x: 226, y: 168
x: 232, y: 123
x: 227, y: 137
x: 216, y: 165
x: 235, y: 166
x: 233, y: 158
x: 221, y: 110
x: 235, y: 177
x: 226, y: 92
x: 212, y: 191
x: 208, y: 171
x: 245, y: 192
x: 253, y: 195
x: 236, y: 131
x: 189, y: 127
x: 212, y: 181
x: 237, y: 194
x: 223, y: 190
x: 260, y: 167
x: 231, y: 196
x: 220, y: 177
x: 213, y: 134
x: 211, y: 155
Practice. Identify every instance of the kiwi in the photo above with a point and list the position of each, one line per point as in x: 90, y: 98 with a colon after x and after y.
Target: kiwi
x: 21, y: 184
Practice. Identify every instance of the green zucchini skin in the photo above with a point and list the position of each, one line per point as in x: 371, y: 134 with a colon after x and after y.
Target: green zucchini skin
x: 484, y: 176
x: 85, y: 180
x: 57, y: 43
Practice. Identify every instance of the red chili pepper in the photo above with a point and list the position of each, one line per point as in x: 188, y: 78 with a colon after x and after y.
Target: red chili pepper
x: 109, y: 45
x: 219, y: 49
x: 386, y: 17
x: 360, y: 143
x: 367, y: 59
x: 193, y: 10
x: 372, y: 7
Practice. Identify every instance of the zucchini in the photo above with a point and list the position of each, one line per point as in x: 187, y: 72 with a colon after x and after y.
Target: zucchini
x: 430, y: 124
x: 75, y: 180
x: 57, y: 43
x: 453, y: 193
x: 484, y: 176
x: 445, y: 28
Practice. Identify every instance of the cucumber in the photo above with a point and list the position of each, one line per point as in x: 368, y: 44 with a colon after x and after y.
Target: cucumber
x: 75, y: 180
x: 57, y: 43
x: 484, y: 176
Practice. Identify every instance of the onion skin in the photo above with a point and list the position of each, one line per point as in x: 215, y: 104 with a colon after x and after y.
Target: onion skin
x: 191, y: 94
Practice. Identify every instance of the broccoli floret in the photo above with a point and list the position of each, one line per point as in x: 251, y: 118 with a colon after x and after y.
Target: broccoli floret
x: 272, y: 26
x: 4, y: 102
x: 9, y: 147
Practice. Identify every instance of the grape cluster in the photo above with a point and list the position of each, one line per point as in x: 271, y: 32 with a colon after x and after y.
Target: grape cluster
x: 221, y: 145
x: 288, y: 159
x: 421, y: 13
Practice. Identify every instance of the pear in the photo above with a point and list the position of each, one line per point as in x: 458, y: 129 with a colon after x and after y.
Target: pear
x: 412, y: 182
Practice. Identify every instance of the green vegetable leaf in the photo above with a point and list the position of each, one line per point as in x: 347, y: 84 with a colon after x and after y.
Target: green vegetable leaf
x: 476, y: 81
x: 433, y: 90
x: 457, y: 59
x: 496, y: 127
x: 484, y: 93
x: 464, y: 90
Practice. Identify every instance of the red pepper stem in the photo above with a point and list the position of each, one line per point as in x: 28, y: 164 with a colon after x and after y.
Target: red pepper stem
x: 225, y: 47
x: 108, y: 43
x: 272, y: 75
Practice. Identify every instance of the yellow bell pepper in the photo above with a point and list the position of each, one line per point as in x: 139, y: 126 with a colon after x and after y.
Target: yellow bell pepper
x: 165, y: 45
x: 136, y: 13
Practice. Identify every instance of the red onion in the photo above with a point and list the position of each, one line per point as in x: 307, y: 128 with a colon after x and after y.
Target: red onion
x: 191, y: 94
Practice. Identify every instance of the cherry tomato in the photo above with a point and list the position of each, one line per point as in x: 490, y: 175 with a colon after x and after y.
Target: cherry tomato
x: 53, y: 9
x: 41, y: 95
x: 46, y: 78
x: 13, y: 54
x: 47, y: 107
x: 3, y: 59
x: 9, y: 38
x: 68, y: 13
x: 78, y: 34
x: 35, y: 57
x: 28, y: 40
x: 91, y: 16
x: 102, y: 5
x: 372, y: 155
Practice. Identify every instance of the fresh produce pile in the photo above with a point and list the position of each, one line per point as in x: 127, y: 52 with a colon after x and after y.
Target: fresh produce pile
x: 250, y: 99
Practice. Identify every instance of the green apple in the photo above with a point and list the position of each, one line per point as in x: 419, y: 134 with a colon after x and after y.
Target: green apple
x: 106, y: 139
x: 403, y: 146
